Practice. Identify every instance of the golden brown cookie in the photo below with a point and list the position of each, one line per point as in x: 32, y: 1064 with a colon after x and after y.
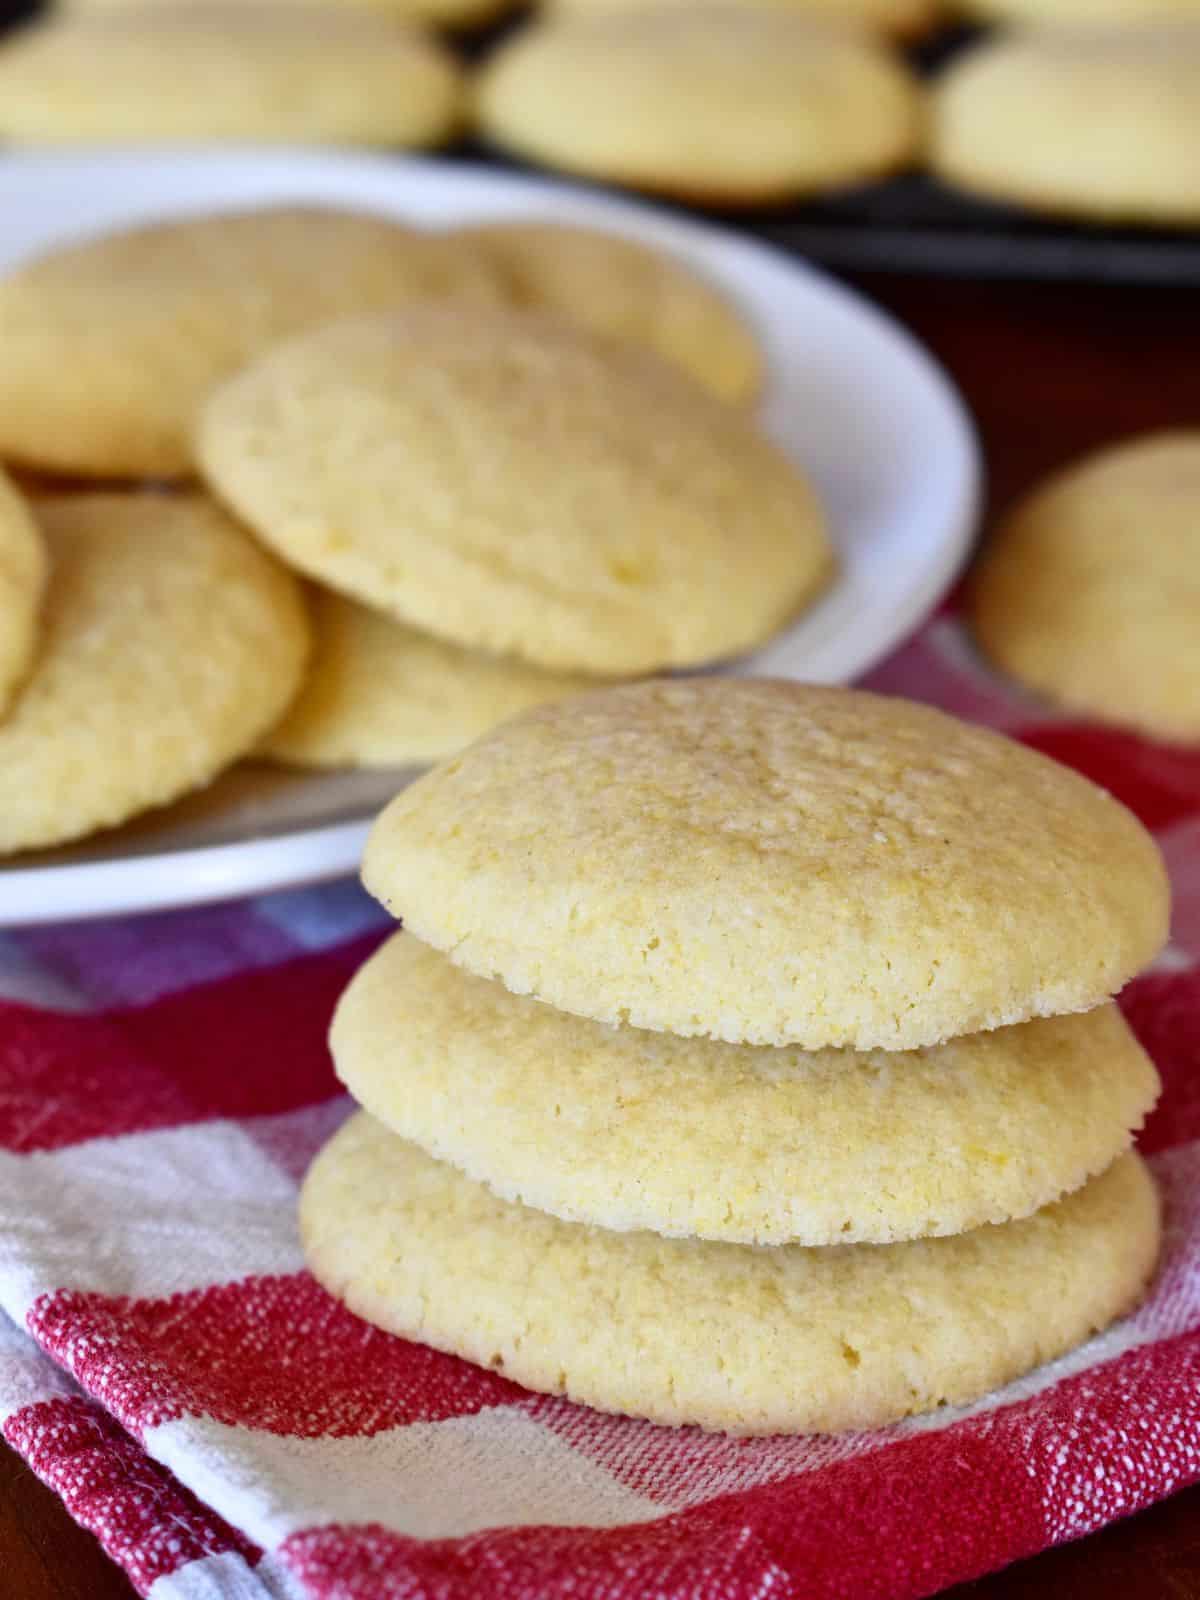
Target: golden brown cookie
x: 770, y: 863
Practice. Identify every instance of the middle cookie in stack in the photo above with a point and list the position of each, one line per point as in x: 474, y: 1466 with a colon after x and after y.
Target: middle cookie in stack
x: 844, y: 893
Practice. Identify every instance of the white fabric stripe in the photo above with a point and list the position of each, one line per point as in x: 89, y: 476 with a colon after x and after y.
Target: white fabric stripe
x: 505, y: 1468
x: 149, y: 1214
x: 227, y: 1577
x: 27, y: 1377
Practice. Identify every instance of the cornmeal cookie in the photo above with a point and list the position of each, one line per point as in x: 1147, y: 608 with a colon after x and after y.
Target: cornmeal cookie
x: 904, y: 18
x: 771, y: 863
x: 629, y: 1129
x: 789, y: 1340
x: 729, y: 106
x: 380, y: 694
x: 619, y: 287
x: 147, y: 321
x: 1090, y: 590
x: 1095, y: 123
x: 293, y: 74
x: 518, y: 485
x: 22, y: 579
x: 440, y: 13
x: 170, y: 644
x: 1045, y: 13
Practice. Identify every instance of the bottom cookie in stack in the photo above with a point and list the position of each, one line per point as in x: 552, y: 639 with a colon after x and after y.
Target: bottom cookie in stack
x: 736, y: 1338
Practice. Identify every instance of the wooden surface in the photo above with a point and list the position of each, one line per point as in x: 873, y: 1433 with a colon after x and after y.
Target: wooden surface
x: 1049, y: 372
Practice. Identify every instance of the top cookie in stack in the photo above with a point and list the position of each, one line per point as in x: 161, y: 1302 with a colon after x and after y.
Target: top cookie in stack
x: 866, y: 952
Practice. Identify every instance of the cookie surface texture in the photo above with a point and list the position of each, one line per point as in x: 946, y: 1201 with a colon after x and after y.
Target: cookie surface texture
x: 1089, y: 592
x: 737, y: 107
x: 628, y: 1129
x: 380, y: 694
x: 629, y: 290
x: 689, y: 1331
x: 150, y: 319
x: 565, y: 498
x: 293, y: 74
x: 170, y: 644
x: 1101, y: 124
x: 770, y: 863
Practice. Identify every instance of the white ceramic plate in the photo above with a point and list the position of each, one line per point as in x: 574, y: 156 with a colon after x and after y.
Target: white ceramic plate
x: 851, y: 396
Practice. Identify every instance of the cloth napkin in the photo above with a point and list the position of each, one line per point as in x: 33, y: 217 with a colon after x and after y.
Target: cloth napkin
x: 227, y: 1430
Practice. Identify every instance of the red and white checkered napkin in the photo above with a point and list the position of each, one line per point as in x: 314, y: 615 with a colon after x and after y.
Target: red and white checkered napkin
x: 227, y: 1430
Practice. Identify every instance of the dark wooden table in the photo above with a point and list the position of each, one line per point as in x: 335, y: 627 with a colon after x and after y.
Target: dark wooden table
x: 1049, y: 372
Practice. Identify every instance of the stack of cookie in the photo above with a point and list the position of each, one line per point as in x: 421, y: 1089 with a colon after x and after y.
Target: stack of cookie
x: 747, y: 1060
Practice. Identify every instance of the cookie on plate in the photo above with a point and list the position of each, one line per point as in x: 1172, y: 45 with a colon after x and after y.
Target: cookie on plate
x: 518, y: 485
x: 22, y: 580
x: 1101, y: 123
x: 771, y: 863
x: 725, y: 106
x: 617, y: 286
x: 380, y: 694
x: 147, y: 320
x: 903, y: 18
x: 170, y: 644
x: 1089, y: 592
x: 692, y: 1331
x: 293, y: 74
x: 623, y: 1128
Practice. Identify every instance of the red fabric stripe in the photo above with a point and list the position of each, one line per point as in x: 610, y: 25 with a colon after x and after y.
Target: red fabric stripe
x: 272, y: 1353
x: 1160, y: 782
x: 144, y: 1519
x: 1163, y: 1009
x: 239, y: 1047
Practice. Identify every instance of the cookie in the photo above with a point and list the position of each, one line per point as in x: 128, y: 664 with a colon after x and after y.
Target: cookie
x: 452, y: 14
x: 380, y: 694
x: 725, y: 106
x: 903, y: 18
x: 628, y: 1129
x: 748, y: 1341
x: 170, y: 644
x: 22, y: 580
x: 517, y: 485
x: 292, y: 74
x: 1089, y: 592
x: 619, y: 287
x: 1101, y: 124
x: 1047, y: 13
x: 770, y: 863
x: 148, y: 320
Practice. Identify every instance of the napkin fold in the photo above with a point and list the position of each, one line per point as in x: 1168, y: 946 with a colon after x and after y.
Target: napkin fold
x: 229, y: 1432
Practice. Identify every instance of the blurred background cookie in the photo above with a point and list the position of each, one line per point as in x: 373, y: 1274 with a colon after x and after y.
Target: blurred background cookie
x: 253, y: 72
x: 1090, y: 590
x: 146, y: 321
x: 617, y: 286
x: 904, y: 18
x: 516, y: 484
x: 737, y: 107
x: 1047, y: 12
x: 171, y: 643
x: 380, y: 694
x: 451, y: 14
x: 1094, y: 123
